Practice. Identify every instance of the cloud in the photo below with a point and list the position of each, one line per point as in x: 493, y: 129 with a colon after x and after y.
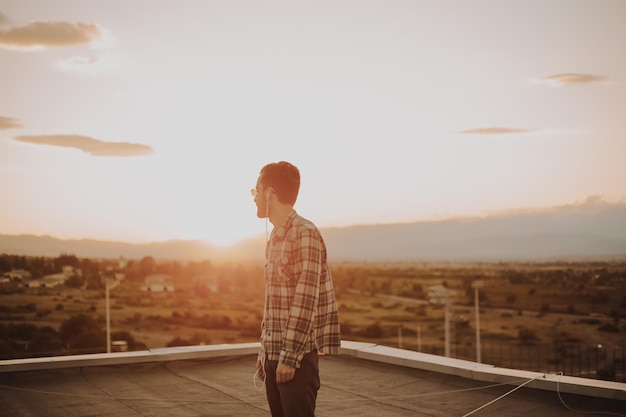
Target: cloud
x: 558, y: 80
x: 41, y: 35
x: 9, y: 123
x: 90, y: 64
x: 89, y: 145
x: 82, y: 60
x: 494, y: 131
x: 590, y: 203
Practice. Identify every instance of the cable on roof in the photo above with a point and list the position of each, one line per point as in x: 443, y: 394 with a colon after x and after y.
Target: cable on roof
x: 424, y: 394
x: 502, y: 396
x: 558, y: 391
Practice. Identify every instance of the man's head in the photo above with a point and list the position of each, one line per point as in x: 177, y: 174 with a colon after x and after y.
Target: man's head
x: 283, y: 179
x: 278, y: 183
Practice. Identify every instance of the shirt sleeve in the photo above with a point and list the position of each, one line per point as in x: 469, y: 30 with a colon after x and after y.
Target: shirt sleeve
x: 308, y: 259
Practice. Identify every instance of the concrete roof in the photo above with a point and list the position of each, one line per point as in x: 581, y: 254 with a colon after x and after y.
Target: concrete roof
x: 365, y: 380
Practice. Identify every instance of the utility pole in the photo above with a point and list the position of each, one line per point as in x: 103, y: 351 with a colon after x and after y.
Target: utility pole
x: 477, y: 285
x: 110, y: 282
x: 106, y: 280
x: 438, y: 294
x: 419, y: 338
x: 447, y: 326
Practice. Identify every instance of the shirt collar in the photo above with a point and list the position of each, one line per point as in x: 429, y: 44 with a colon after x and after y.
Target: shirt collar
x: 281, y: 231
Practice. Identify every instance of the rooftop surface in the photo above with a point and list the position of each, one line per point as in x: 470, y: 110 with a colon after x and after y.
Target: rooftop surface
x: 365, y: 380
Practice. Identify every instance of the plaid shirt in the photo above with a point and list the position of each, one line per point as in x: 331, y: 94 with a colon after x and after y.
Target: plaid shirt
x: 300, y: 312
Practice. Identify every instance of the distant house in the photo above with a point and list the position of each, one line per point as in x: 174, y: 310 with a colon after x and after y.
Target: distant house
x: 17, y: 274
x: 51, y: 281
x: 119, y: 346
x: 54, y: 280
x: 158, y: 283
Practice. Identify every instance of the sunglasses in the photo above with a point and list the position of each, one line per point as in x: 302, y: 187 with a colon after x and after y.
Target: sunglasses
x: 255, y: 192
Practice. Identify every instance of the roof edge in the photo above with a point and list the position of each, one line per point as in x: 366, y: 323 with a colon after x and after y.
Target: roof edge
x: 362, y: 350
x: 485, y: 372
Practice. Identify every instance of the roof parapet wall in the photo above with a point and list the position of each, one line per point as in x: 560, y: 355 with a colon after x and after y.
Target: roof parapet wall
x: 369, y: 351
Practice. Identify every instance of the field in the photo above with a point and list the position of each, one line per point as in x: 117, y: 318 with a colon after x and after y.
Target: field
x: 541, y: 304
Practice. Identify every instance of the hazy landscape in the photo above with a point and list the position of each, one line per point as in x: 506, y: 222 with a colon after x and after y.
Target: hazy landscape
x: 592, y: 229
x: 533, y: 315
x: 552, y: 295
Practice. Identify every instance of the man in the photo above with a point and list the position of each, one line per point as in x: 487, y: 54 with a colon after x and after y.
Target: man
x: 300, y: 316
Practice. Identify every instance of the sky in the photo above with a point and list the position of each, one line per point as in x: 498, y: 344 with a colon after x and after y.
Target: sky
x: 149, y: 121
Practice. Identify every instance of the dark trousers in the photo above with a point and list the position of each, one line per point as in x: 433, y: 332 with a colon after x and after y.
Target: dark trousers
x: 297, y: 397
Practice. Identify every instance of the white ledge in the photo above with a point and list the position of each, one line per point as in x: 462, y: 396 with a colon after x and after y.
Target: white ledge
x: 485, y: 372
x: 117, y: 358
x: 361, y: 350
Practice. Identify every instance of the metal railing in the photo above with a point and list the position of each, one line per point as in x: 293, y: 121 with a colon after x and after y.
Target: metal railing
x: 595, y: 362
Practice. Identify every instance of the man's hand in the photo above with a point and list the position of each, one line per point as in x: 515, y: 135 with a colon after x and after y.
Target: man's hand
x: 284, y: 373
x: 260, y: 372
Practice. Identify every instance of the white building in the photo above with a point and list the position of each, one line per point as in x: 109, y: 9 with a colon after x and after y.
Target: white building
x: 158, y: 283
x: 51, y: 281
x: 18, y: 274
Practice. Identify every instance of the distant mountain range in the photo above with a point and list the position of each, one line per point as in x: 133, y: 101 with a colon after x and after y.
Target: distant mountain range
x: 586, y: 231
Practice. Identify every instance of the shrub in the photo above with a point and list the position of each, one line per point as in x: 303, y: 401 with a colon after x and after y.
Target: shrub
x: 610, y: 328
x: 601, y: 297
x: 346, y: 329
x: 417, y: 310
x: 26, y: 308
x: 82, y: 332
x: 42, y: 313
x: 74, y: 282
x: 526, y: 335
x: 589, y: 321
x: 374, y: 331
x: 607, y: 374
x: 178, y: 341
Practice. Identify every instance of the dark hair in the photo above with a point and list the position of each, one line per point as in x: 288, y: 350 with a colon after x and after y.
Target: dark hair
x: 284, y: 179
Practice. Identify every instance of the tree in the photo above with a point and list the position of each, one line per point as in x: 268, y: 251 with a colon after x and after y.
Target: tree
x: 147, y: 265
x: 527, y: 335
x: 66, y: 260
x: 74, y: 281
x: 373, y: 331
x: 82, y: 332
x: 178, y: 341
